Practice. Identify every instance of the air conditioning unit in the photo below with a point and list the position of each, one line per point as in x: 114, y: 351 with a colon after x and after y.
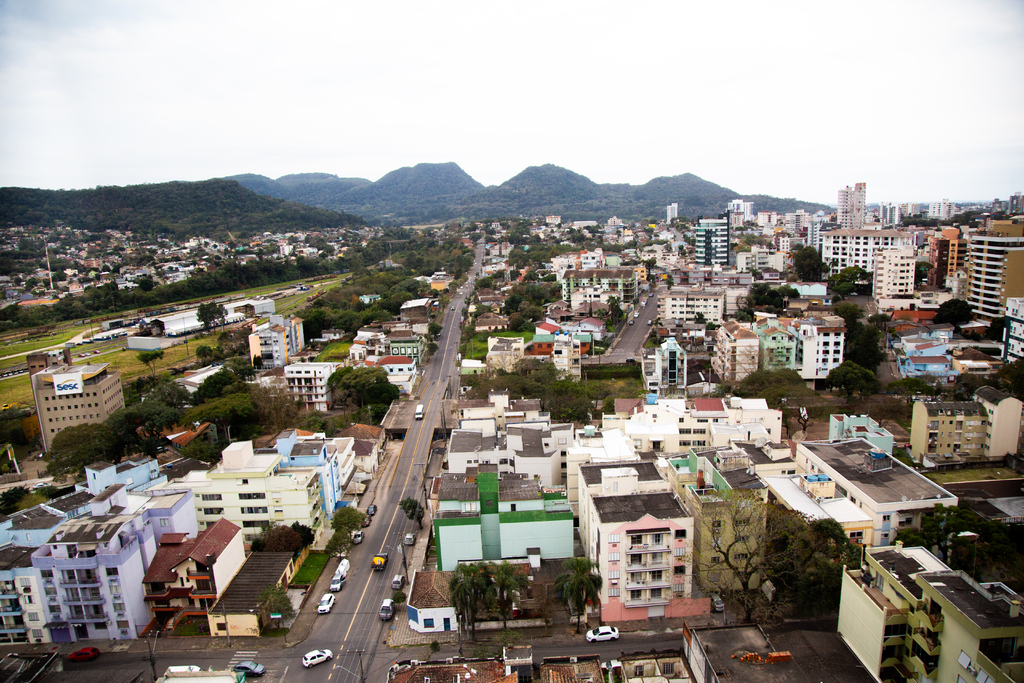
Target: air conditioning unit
x: 26, y: 589
x: 120, y: 615
x: 39, y: 640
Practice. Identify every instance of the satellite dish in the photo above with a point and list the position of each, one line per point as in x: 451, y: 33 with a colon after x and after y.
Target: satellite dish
x: 799, y: 436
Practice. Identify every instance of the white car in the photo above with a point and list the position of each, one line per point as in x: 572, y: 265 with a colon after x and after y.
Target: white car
x: 603, y: 633
x: 316, y: 657
x: 326, y: 603
x: 637, y: 314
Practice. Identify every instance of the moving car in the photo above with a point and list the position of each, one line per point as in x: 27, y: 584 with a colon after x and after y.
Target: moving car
x: 316, y: 657
x: 326, y: 603
x: 603, y: 633
x: 250, y: 668
x: 84, y: 655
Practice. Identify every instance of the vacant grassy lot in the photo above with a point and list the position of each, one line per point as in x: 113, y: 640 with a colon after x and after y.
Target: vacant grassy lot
x: 335, y: 351
x: 311, y: 570
x: 39, y: 342
x: 983, y: 474
x: 476, y: 348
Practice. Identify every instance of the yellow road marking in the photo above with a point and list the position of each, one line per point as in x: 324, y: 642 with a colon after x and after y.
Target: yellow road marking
x: 433, y: 394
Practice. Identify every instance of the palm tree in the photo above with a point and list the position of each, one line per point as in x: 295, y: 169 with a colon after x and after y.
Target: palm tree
x: 579, y: 584
x: 468, y: 590
x: 508, y: 585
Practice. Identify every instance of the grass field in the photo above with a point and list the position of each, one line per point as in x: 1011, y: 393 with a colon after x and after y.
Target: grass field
x: 311, y: 570
x: 335, y: 351
x: 982, y: 474
x: 477, y: 346
x: 40, y: 342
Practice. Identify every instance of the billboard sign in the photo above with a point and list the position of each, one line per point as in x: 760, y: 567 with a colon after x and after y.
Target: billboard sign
x: 70, y: 383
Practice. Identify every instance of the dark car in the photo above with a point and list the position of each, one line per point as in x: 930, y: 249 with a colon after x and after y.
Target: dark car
x: 366, y: 522
x: 372, y: 510
x: 84, y: 655
x: 250, y: 668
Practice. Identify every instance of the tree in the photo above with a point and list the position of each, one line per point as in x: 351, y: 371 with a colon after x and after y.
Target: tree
x: 274, y: 600
x: 75, y: 447
x: 911, y: 386
x: 150, y: 358
x: 850, y: 377
x: 995, y: 329
x: 211, y: 314
x: 413, y: 510
x: 398, y: 597
x: 468, y: 588
x: 223, y: 412
x: 509, y: 584
x: 280, y: 539
x: 808, y: 264
x: 955, y: 312
x: 362, y: 386
x: 305, y: 533
x: 170, y: 394
x: 274, y: 406
x: 344, y: 522
x: 1012, y: 377
x: 516, y: 322
x: 614, y: 309
x: 434, y: 329
x: 204, y: 353
x: 921, y: 271
x: 577, y: 585
x: 139, y: 428
x: 202, y: 450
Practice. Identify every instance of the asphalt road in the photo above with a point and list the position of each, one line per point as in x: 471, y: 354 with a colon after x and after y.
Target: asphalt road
x: 632, y: 337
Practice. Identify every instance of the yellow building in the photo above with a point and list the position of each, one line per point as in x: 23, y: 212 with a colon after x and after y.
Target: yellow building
x: 909, y: 617
x: 253, y: 491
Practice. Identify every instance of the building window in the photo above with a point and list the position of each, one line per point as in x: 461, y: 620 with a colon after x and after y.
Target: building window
x: 613, y: 592
x: 613, y: 557
x: 428, y: 623
x: 613, y: 538
x: 213, y: 511
x: 111, y: 571
x: 668, y: 668
x: 165, y: 522
x: 254, y: 511
x: 680, y: 533
x: 211, y: 496
x: 638, y: 670
x: 245, y: 482
x: 252, y: 496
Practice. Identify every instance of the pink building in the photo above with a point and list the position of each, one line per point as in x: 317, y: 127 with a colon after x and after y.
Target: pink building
x: 640, y: 535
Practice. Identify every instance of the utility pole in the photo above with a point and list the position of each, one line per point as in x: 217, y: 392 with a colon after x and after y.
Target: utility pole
x: 227, y: 627
x: 362, y: 676
x: 152, y: 654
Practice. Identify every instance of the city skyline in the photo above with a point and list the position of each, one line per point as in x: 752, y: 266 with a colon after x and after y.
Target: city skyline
x: 789, y: 101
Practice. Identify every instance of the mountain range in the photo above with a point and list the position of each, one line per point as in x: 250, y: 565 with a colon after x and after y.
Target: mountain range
x: 438, y: 192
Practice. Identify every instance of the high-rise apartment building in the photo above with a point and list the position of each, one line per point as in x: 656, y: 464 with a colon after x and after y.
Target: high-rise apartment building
x: 946, y: 251
x: 70, y: 395
x: 848, y: 248
x: 1013, y: 331
x: 277, y: 341
x: 891, y: 214
x: 894, y: 272
x: 851, y: 206
x: 996, y: 268
x: 671, y: 212
x: 713, y: 241
x: 738, y: 206
x: 942, y: 211
x: 1016, y: 204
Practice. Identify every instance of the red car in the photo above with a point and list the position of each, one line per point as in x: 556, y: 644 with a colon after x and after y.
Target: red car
x: 84, y: 655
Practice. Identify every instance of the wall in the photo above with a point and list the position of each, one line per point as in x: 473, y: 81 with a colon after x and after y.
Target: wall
x: 457, y: 539
x: 861, y: 624
x: 551, y: 532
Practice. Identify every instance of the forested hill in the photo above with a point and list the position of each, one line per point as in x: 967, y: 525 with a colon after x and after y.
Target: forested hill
x: 211, y: 208
x: 437, y: 192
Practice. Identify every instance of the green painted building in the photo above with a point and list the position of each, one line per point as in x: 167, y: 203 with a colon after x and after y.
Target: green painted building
x: 484, y: 515
x: 777, y: 345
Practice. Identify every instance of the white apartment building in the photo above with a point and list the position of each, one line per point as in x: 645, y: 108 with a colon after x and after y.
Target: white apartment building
x: 848, y: 248
x: 996, y: 268
x: 275, y: 342
x: 737, y: 351
x: 674, y: 425
x: 942, y: 211
x: 308, y: 381
x: 1013, y: 332
x: 759, y: 258
x: 767, y: 219
x: 820, y: 345
x: 567, y: 356
x: 746, y: 209
x: 592, y: 446
x: 712, y: 241
x: 685, y: 303
x: 852, y: 206
x: 891, y: 214
x: 895, y: 269
x: 797, y: 221
x: 671, y: 212
x: 253, y: 490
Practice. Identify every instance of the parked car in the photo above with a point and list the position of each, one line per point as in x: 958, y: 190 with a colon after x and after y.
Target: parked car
x: 357, y: 537
x: 637, y: 314
x: 410, y: 539
x: 630, y: 322
x: 84, y: 655
x: 316, y: 657
x: 603, y: 633
x: 366, y: 522
x: 716, y: 603
x: 337, y: 583
x: 326, y: 603
x: 372, y: 510
x: 387, y: 609
x: 250, y: 668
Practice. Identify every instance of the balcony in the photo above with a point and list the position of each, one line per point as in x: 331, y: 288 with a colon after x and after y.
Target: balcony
x: 81, y: 581
x: 929, y: 642
x: 87, y: 616
x: 637, y: 584
x: 647, y: 602
x: 85, y: 600
x: 648, y: 565
x: 649, y: 548
x: 925, y: 669
x: 11, y: 610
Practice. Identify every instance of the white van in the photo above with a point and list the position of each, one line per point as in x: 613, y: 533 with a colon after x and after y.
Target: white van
x: 189, y: 669
x: 387, y: 609
x: 398, y: 582
x: 419, y: 412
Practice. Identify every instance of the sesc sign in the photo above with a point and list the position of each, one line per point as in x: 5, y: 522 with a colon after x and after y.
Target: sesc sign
x: 70, y: 383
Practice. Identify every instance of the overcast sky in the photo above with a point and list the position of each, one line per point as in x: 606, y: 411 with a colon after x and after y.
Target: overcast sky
x: 920, y: 100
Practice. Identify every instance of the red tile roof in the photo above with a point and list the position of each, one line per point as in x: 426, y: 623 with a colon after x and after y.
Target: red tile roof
x: 211, y: 541
x: 394, y: 360
x: 360, y: 431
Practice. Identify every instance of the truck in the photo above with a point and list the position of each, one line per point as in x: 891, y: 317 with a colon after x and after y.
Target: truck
x: 380, y: 562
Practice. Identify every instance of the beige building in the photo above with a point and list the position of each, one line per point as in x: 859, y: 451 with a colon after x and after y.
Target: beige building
x: 737, y: 351
x: 895, y: 269
x: 949, y: 434
x: 505, y: 353
x: 996, y: 268
x: 909, y: 617
x: 70, y: 395
x: 685, y: 303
